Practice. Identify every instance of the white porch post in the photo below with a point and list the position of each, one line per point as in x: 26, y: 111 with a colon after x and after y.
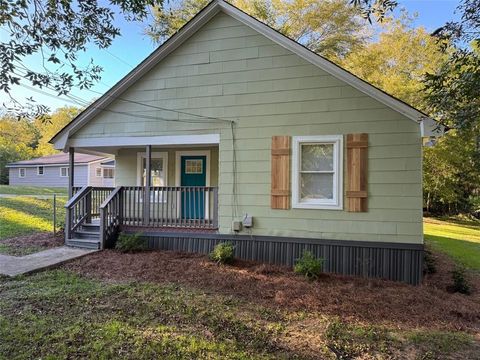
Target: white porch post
x: 71, y: 171
x: 148, y: 184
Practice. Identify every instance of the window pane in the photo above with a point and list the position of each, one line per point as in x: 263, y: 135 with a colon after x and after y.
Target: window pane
x: 156, y: 171
x: 194, y: 166
x: 317, y: 157
x: 316, y: 186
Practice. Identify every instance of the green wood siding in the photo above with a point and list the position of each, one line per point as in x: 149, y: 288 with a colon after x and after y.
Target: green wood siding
x: 228, y: 70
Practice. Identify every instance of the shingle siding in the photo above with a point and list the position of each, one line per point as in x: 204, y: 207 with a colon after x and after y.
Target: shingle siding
x: 228, y: 70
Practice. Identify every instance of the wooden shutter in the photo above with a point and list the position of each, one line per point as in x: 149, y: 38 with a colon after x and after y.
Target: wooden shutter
x: 357, y: 172
x: 280, y: 191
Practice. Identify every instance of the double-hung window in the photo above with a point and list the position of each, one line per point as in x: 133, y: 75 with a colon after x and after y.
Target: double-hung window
x: 108, y: 173
x: 317, y: 172
x: 64, y: 172
x: 21, y: 172
x: 40, y: 170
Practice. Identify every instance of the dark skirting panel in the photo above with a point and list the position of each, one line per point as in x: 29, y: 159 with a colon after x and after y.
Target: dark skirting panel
x: 398, y: 262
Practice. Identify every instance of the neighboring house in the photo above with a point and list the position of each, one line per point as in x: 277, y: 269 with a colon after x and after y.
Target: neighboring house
x: 52, y: 171
x: 235, y: 122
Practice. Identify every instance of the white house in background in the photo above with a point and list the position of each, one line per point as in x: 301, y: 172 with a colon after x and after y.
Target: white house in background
x: 52, y: 171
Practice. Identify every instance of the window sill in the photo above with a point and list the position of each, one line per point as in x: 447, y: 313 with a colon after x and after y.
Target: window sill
x: 314, y: 206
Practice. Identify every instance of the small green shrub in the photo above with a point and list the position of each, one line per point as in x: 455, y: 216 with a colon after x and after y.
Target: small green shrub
x: 460, y: 282
x: 222, y: 253
x: 429, y: 266
x: 308, y: 265
x: 131, y: 243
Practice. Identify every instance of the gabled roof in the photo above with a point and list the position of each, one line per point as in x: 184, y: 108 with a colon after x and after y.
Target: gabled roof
x: 57, y: 159
x: 190, y: 28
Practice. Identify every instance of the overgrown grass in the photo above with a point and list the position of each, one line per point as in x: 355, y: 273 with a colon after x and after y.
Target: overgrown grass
x: 26, y: 215
x: 32, y: 190
x: 58, y: 314
x: 458, y: 239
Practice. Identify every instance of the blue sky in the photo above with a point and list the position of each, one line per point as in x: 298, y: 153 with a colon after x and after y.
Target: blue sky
x: 133, y: 46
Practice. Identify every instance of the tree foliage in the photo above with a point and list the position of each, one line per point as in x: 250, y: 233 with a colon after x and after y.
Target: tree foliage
x: 332, y: 28
x: 22, y: 139
x: 398, y: 61
x: 451, y: 174
x: 57, y: 31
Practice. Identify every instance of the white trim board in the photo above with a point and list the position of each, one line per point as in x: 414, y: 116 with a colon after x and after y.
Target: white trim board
x: 124, y: 141
x: 190, y: 28
x: 48, y: 165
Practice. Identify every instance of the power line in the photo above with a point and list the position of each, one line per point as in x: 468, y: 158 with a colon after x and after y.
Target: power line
x: 161, y: 108
x: 119, y: 58
x: 81, y: 102
x: 86, y: 103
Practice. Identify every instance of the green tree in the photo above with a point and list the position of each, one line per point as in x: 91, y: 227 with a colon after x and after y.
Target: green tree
x: 57, y: 31
x: 451, y: 174
x: 18, y: 140
x: 47, y: 129
x: 332, y: 28
x: 25, y: 139
x: 398, y: 61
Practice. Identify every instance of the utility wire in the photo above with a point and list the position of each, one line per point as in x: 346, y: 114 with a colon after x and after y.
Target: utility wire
x: 83, y: 102
x: 162, y: 108
x: 119, y: 58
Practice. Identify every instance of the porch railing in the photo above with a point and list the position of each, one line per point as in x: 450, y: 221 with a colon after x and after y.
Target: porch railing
x: 83, y: 206
x: 111, y: 215
x: 171, y: 206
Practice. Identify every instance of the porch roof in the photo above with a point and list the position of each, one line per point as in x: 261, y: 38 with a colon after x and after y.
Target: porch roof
x: 111, y: 145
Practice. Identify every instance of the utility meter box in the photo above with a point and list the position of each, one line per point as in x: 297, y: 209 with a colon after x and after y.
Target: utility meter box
x: 236, y: 226
x: 247, y: 221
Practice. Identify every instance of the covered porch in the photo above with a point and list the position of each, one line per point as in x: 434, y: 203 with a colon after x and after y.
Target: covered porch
x: 167, y: 187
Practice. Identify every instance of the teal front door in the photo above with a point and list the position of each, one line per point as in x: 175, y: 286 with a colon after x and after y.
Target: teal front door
x: 193, y: 174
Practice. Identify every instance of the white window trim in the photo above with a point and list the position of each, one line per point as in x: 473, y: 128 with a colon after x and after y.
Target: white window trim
x: 96, y: 171
x: 155, y: 155
x: 38, y: 170
x: 113, y: 173
x: 337, y: 202
x: 20, y: 172
x: 66, y: 168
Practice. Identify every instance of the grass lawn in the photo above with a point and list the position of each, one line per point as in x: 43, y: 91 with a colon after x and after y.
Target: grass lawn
x: 458, y: 239
x: 59, y: 314
x: 31, y: 190
x: 24, y: 215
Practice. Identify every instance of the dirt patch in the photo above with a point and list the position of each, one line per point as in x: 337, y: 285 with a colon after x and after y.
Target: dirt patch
x: 351, y: 299
x: 28, y: 244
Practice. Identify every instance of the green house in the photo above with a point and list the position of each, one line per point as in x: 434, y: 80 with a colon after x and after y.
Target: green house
x: 230, y: 131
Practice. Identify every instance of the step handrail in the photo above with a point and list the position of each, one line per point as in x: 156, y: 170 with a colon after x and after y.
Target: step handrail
x: 111, y: 216
x: 78, y: 195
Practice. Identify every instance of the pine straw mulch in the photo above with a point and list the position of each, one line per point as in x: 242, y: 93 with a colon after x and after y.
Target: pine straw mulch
x: 351, y: 299
x: 28, y: 244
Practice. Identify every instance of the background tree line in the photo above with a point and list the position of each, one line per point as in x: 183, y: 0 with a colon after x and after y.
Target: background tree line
x: 437, y: 73
x: 22, y: 139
